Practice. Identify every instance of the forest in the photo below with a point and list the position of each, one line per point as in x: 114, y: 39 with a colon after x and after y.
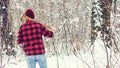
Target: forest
x: 87, y: 32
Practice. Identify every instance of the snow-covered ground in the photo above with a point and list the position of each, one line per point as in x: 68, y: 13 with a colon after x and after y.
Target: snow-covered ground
x: 69, y: 62
x: 90, y: 59
x: 65, y: 62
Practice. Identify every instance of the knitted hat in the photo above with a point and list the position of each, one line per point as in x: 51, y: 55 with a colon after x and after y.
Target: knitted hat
x: 30, y: 13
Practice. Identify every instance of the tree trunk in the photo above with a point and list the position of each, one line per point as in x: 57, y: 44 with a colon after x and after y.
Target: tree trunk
x: 106, y: 26
x: 6, y: 36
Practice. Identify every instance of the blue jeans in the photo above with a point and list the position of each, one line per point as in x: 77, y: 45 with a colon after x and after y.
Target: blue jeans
x: 41, y: 59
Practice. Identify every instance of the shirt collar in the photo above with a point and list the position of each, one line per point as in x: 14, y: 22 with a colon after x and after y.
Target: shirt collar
x: 28, y: 21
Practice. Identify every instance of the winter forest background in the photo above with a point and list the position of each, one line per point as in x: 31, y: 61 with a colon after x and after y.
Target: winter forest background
x: 88, y: 32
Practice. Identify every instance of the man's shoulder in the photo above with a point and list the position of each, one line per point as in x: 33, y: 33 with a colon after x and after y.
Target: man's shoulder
x: 38, y: 23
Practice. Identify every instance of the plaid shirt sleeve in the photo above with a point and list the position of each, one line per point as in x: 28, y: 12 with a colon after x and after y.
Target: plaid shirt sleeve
x: 46, y: 32
x: 19, y: 37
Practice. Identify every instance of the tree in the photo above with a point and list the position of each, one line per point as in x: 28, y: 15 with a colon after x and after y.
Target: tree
x: 101, y: 25
x: 106, y: 26
x: 6, y: 35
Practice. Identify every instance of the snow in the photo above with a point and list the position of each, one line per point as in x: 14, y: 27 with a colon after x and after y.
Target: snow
x: 74, y: 20
x: 66, y: 62
x: 90, y: 59
x: 95, y: 57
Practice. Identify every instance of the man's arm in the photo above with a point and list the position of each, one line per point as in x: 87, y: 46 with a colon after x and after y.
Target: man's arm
x: 46, y: 32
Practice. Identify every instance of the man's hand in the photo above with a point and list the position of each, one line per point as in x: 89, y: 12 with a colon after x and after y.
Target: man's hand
x: 53, y: 29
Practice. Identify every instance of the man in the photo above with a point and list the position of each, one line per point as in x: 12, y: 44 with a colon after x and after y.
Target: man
x: 30, y: 34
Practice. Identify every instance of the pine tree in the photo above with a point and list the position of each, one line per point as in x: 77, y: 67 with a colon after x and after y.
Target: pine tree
x: 96, y: 20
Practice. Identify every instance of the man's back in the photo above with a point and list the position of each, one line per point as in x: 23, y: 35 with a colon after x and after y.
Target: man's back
x: 30, y: 34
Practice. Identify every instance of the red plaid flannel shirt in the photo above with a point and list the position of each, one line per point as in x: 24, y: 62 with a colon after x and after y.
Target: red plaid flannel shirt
x: 30, y: 34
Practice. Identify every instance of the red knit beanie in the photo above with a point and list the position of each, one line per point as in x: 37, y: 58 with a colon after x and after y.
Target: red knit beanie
x: 30, y: 13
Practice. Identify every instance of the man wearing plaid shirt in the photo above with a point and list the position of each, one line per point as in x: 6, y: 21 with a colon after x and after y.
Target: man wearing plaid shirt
x: 30, y: 34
